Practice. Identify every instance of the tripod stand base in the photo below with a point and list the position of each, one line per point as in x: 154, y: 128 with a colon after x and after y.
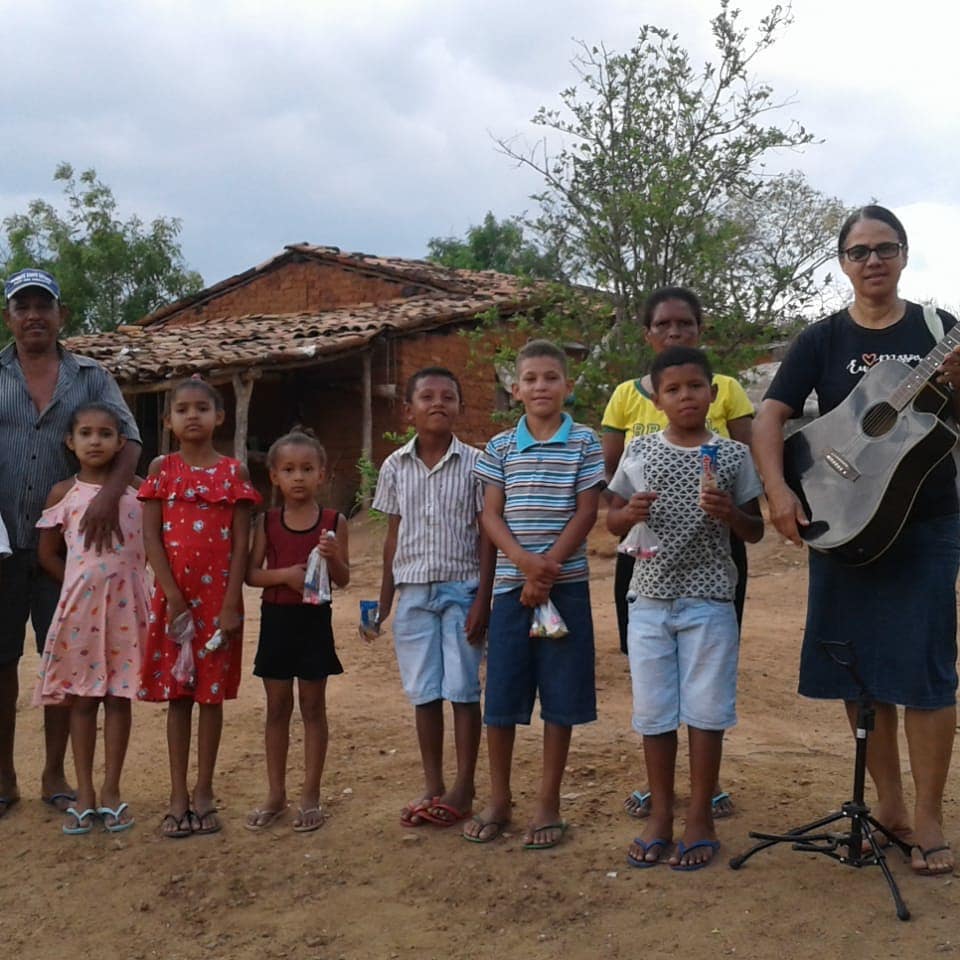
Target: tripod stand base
x: 811, y: 838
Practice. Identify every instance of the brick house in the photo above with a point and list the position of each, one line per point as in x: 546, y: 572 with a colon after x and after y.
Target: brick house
x: 317, y: 337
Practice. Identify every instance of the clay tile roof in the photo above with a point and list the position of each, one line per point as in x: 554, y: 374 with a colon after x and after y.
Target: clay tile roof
x: 152, y: 353
x: 422, y: 272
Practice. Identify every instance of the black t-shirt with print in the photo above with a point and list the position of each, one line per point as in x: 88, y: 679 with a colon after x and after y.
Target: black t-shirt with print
x: 829, y: 358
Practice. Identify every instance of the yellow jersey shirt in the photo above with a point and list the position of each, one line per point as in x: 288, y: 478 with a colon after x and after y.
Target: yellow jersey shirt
x: 632, y: 412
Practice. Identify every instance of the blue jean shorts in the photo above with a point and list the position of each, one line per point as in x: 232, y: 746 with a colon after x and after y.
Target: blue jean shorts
x: 430, y: 637
x: 683, y: 664
x: 519, y: 666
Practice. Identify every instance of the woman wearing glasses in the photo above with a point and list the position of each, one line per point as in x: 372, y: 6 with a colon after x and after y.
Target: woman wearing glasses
x: 897, y: 614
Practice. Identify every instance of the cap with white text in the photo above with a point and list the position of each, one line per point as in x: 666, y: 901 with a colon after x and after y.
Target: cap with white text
x: 31, y: 277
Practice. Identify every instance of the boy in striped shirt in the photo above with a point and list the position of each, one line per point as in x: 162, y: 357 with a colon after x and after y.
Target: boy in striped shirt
x: 440, y: 566
x: 542, y: 485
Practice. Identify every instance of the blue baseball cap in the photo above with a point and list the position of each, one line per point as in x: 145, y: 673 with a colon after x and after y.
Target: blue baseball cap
x: 31, y: 277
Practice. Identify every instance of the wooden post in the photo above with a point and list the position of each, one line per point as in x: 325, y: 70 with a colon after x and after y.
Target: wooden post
x: 242, y: 391
x: 367, y: 432
x: 164, y: 429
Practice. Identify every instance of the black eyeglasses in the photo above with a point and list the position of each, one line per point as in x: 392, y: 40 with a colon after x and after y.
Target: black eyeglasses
x: 885, y: 251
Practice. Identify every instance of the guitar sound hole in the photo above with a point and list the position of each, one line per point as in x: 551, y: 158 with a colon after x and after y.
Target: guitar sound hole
x: 879, y: 420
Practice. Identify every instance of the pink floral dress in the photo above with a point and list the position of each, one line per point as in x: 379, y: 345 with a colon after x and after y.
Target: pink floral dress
x: 197, y: 518
x: 95, y: 642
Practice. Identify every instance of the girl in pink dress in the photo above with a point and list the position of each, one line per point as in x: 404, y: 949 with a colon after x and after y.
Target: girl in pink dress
x: 93, y: 650
x: 196, y: 525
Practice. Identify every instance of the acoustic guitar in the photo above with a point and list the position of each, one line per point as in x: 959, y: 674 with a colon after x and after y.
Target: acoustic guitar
x: 857, y: 469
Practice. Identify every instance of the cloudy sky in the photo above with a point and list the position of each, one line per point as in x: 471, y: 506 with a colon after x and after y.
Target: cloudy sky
x: 369, y: 125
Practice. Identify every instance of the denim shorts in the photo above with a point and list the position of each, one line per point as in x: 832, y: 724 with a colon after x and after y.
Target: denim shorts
x: 683, y: 664
x: 519, y: 666
x: 430, y: 637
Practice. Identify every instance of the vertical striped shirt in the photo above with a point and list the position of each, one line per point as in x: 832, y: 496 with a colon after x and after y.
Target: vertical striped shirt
x: 438, y: 539
x: 33, y: 455
x: 541, y: 481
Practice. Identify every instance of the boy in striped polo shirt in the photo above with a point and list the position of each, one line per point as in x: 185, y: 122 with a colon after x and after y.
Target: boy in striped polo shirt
x: 441, y: 567
x: 542, y: 485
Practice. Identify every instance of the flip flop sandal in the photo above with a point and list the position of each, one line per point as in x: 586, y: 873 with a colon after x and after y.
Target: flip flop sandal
x: 639, y: 800
x: 641, y: 863
x: 55, y: 799
x: 415, y: 810
x: 308, y: 827
x: 456, y: 816
x: 200, y: 830
x: 560, y: 826
x: 118, y: 825
x: 497, y: 827
x: 263, y: 818
x: 682, y: 851
x: 182, y: 825
x: 81, y: 828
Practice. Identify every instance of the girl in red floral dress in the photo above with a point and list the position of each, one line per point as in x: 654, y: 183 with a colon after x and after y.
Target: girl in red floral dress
x: 196, y: 524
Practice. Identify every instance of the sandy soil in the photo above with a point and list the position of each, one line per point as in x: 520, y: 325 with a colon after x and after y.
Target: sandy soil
x: 362, y: 887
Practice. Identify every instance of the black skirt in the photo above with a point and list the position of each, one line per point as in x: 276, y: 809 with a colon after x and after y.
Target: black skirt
x: 296, y: 640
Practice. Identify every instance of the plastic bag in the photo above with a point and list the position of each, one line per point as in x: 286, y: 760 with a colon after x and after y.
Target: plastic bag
x: 641, y: 542
x: 547, y: 622
x: 182, y: 632
x: 316, y: 581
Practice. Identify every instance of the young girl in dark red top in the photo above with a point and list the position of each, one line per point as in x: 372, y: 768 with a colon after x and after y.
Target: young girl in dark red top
x: 296, y: 638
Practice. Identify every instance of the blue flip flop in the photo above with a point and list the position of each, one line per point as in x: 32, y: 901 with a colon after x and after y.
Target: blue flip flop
x: 641, y: 863
x: 118, y: 825
x: 640, y: 800
x: 82, y: 827
x: 682, y: 850
x: 69, y: 797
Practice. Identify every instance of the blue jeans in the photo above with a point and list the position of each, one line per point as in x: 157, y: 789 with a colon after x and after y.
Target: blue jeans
x: 519, y: 666
x: 683, y: 664
x: 430, y: 638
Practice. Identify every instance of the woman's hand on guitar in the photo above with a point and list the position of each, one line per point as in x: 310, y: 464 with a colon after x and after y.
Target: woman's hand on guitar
x: 786, y: 513
x: 949, y: 370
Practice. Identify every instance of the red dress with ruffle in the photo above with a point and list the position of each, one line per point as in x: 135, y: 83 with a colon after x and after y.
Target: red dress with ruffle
x: 197, y: 522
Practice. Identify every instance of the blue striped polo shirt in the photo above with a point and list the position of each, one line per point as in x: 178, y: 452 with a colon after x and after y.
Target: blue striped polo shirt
x: 541, y: 480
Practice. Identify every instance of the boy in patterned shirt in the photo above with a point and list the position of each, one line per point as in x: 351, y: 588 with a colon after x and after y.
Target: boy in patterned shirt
x: 440, y: 567
x: 682, y: 628
x: 542, y: 482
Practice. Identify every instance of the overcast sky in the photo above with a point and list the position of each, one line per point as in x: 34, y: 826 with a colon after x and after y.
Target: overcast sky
x: 369, y: 125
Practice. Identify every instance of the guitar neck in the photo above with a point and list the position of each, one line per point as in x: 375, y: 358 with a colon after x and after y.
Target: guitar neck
x: 925, y: 369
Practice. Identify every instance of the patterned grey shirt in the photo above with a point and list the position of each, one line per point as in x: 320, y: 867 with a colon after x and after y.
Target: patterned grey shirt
x: 33, y: 455
x: 438, y: 540
x: 694, y: 558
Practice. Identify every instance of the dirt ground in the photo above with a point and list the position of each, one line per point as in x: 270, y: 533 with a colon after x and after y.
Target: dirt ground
x: 362, y: 887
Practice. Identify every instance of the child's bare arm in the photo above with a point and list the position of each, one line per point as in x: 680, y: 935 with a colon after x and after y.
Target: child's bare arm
x: 745, y: 521
x: 157, y: 555
x: 291, y: 577
x: 622, y: 514
x: 387, y: 586
x: 231, y: 618
x: 479, y: 614
x: 336, y: 551
x: 51, y: 549
x: 578, y: 526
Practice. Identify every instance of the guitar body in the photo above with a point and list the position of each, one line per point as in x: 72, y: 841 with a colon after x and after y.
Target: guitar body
x: 857, y: 469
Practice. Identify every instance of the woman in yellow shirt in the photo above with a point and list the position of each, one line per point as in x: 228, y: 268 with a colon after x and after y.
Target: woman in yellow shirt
x: 672, y: 317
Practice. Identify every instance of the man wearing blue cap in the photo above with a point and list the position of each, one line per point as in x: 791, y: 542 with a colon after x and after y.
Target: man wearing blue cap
x: 40, y: 385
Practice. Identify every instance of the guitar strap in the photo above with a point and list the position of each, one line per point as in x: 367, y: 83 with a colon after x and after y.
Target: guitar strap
x: 933, y: 322
x: 935, y: 326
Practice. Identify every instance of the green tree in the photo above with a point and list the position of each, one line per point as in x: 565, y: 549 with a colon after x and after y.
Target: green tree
x: 495, y: 245
x: 659, y: 178
x: 110, y: 271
